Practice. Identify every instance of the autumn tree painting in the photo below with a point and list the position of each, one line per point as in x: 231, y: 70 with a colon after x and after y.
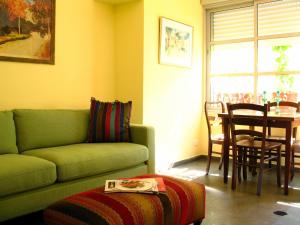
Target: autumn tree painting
x: 27, y: 30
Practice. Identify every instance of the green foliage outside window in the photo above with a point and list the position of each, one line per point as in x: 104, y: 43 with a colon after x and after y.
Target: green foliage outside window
x: 285, y: 81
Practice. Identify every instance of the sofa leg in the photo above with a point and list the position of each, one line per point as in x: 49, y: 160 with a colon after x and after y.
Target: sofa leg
x: 198, y: 222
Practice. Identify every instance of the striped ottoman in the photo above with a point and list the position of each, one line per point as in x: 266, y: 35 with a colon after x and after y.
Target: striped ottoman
x: 183, y: 204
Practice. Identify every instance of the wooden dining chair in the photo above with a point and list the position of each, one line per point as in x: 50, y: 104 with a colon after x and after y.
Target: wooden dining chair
x: 286, y: 105
x: 295, y: 154
x: 251, y: 152
x: 213, y: 121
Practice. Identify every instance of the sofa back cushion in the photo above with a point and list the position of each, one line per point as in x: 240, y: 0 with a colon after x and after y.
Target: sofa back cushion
x: 49, y: 128
x: 7, y: 133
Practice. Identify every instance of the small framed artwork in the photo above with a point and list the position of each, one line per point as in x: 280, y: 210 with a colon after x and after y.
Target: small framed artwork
x: 27, y: 30
x: 176, y: 43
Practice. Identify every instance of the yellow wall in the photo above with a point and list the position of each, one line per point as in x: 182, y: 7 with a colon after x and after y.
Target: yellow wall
x: 173, y: 95
x: 104, y: 78
x: 204, y: 130
x: 129, y: 56
x: 84, y: 64
x: 111, y: 52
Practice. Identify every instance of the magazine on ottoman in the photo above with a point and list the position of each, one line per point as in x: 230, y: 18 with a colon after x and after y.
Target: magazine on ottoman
x: 136, y: 185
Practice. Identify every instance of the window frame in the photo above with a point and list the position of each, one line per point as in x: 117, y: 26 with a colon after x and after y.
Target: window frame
x: 255, y: 39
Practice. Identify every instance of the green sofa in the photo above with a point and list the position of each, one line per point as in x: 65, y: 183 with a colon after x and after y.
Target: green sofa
x: 44, y: 157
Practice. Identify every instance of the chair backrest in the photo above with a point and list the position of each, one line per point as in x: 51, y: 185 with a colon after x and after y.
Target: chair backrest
x: 211, y: 113
x: 239, y: 121
x: 285, y: 104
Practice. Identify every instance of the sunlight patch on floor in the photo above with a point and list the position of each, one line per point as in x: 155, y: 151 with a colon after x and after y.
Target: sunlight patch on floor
x: 214, y: 190
x: 184, y: 173
x: 292, y: 204
x: 294, y: 188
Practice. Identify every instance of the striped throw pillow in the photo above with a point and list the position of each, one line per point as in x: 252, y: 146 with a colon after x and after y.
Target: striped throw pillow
x: 109, y: 121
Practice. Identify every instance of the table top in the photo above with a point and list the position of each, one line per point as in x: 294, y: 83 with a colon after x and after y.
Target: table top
x: 272, y: 115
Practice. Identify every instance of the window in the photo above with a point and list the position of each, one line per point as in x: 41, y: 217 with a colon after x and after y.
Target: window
x: 254, y: 52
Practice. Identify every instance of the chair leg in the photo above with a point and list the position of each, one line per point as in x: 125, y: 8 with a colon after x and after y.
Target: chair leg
x: 234, y: 159
x: 293, y: 164
x: 279, y: 167
x: 209, y: 157
x: 250, y: 159
x: 254, y: 163
x: 240, y: 161
x: 259, y: 183
x: 222, y: 158
x: 245, y: 165
x: 260, y: 174
x: 270, y: 161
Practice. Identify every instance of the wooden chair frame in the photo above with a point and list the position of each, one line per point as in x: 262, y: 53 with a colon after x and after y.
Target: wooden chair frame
x: 295, y: 105
x: 296, y: 144
x: 247, y: 152
x: 211, y: 140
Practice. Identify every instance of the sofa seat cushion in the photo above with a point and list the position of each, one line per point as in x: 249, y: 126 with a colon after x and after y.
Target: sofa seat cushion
x: 88, y: 159
x: 22, y: 173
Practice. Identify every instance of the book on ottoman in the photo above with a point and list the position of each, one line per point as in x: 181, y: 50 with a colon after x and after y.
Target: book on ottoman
x: 138, y: 185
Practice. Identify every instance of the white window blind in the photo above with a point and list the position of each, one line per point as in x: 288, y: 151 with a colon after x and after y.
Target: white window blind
x: 257, y: 63
x: 279, y: 17
x: 232, y: 24
x: 210, y: 4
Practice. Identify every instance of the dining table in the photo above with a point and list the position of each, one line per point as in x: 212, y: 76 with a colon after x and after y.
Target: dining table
x: 287, y: 120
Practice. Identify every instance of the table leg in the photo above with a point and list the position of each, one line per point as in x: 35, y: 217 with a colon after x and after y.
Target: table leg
x: 287, y: 171
x: 226, y: 148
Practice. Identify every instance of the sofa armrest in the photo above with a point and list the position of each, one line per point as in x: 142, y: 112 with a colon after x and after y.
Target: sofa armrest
x: 144, y: 135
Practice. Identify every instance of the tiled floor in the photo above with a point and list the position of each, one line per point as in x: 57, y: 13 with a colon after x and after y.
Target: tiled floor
x: 227, y: 207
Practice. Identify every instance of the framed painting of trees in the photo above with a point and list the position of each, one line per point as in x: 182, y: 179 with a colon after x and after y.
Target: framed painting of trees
x: 27, y: 30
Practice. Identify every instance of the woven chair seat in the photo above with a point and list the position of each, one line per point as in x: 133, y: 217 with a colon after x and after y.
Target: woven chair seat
x: 257, y: 144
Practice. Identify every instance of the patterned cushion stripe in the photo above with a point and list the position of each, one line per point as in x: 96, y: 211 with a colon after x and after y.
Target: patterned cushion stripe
x: 186, y: 195
x: 175, y: 206
x: 75, y: 212
x: 183, y: 204
x: 122, y: 208
x: 109, y: 121
x: 183, y: 196
x: 109, y: 213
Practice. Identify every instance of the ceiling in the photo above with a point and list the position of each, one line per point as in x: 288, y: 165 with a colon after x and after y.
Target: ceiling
x: 115, y: 2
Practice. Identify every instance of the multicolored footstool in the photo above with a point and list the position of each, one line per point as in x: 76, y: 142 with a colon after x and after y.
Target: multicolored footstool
x: 183, y: 204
